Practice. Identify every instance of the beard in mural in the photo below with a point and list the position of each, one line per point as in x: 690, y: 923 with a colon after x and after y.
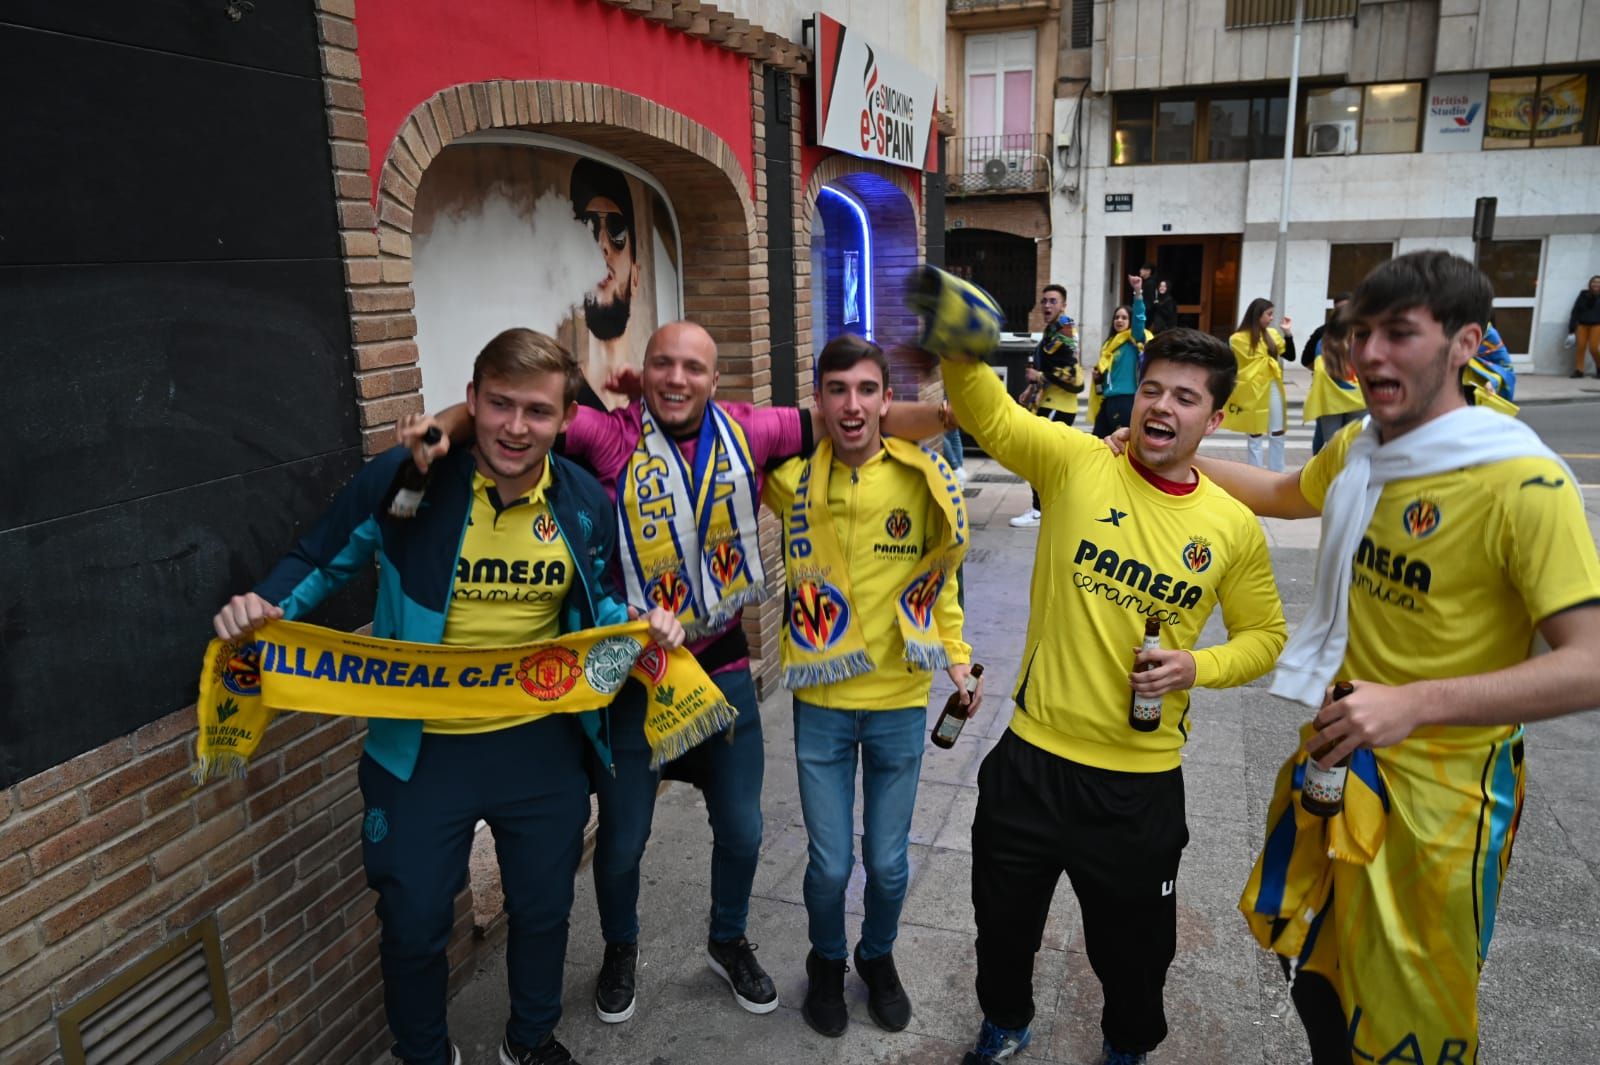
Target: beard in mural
x: 601, y: 200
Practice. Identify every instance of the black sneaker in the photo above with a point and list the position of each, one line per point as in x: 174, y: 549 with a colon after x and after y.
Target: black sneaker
x: 735, y: 961
x: 887, y: 1000
x: 614, y: 997
x: 548, y: 1052
x: 824, y: 1009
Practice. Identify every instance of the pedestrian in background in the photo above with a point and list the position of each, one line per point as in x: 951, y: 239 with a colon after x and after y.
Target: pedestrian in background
x: 1116, y: 375
x: 1257, y: 405
x: 1161, y: 309
x: 1583, y: 328
x: 1335, y: 399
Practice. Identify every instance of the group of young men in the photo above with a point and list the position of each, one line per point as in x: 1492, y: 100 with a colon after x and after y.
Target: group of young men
x: 550, y: 517
x: 1449, y: 540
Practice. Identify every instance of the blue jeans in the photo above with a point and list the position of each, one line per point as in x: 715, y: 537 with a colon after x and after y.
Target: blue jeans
x: 628, y: 804
x: 825, y: 746
x: 529, y: 784
x: 954, y: 450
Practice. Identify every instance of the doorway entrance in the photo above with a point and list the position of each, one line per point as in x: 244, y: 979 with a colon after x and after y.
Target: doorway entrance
x: 1202, y: 273
x: 1002, y: 264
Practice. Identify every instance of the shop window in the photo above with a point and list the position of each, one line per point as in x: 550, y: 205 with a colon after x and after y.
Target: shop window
x: 1131, y: 131
x: 1348, y: 264
x: 1228, y: 133
x: 1544, y: 111
x: 1371, y: 119
x: 1391, y: 118
x: 1189, y: 129
x: 1174, y: 131
x: 1513, y: 269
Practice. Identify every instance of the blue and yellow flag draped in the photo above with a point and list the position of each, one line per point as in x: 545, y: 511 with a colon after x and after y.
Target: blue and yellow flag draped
x: 290, y: 665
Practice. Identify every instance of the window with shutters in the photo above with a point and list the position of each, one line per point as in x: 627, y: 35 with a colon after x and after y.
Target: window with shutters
x: 1245, y: 13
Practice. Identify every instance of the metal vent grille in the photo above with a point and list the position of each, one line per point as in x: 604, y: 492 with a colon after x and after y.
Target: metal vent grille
x: 161, y: 1011
x: 1082, y: 23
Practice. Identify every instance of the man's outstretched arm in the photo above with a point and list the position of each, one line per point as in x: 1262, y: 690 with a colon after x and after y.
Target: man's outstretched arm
x: 1269, y: 494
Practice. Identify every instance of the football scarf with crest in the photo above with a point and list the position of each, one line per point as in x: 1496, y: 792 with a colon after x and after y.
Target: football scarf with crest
x: 307, y: 668
x: 822, y: 643
x: 1394, y: 900
x: 688, y: 534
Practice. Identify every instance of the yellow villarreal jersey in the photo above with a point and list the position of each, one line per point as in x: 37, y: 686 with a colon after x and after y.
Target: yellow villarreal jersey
x: 885, y: 521
x: 1455, y: 570
x: 512, y: 575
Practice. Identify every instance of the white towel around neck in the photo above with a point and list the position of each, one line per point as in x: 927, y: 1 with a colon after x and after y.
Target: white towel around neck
x: 1468, y: 436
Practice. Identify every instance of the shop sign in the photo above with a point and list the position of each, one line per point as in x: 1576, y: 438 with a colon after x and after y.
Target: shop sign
x: 871, y: 102
x: 1119, y: 201
x: 1454, y: 115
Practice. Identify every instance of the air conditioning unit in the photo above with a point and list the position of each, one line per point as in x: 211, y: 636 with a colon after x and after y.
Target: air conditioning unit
x: 1331, y: 138
x: 1000, y: 172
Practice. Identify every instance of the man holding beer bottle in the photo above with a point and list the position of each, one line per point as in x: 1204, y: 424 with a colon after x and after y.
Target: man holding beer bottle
x: 874, y: 529
x: 1074, y: 787
x: 1451, y: 536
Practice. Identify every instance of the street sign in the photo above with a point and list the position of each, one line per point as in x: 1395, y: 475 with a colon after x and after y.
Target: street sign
x: 1119, y: 201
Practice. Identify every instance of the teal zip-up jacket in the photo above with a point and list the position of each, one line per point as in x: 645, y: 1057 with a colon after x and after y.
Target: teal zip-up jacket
x: 417, y: 569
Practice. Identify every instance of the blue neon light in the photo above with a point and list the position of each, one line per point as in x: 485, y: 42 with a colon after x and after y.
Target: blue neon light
x: 866, y: 255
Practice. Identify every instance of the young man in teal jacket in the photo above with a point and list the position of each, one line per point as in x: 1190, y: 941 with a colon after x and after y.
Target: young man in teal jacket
x: 510, y: 545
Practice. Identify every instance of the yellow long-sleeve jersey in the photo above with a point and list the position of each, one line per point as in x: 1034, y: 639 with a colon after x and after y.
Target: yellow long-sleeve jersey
x: 884, y: 520
x: 1113, y: 551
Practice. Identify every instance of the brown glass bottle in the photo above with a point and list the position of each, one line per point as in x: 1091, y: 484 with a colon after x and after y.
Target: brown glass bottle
x: 1322, y: 790
x: 412, y: 482
x: 1145, y: 715
x: 948, y: 728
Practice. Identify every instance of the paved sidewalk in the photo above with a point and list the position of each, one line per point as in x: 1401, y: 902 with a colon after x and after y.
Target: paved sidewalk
x: 1226, y: 1001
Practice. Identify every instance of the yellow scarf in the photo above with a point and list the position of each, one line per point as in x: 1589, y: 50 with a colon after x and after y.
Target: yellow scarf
x: 821, y: 643
x: 688, y: 535
x: 1293, y: 878
x: 1108, y: 355
x: 294, y: 666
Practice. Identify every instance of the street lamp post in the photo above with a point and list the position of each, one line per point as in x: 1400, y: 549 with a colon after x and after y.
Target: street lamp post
x: 1279, y: 257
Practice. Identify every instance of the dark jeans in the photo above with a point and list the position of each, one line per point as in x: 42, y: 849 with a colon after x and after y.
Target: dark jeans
x: 1065, y: 417
x: 735, y: 762
x: 1119, y: 838
x: 1116, y: 412
x: 529, y: 784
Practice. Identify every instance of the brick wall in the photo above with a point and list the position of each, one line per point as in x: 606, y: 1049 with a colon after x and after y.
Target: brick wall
x: 106, y: 856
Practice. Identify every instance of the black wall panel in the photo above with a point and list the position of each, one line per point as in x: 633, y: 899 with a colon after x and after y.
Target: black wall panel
x: 148, y: 378
x: 104, y: 615
x: 780, y: 235
x: 123, y: 154
x: 174, y: 353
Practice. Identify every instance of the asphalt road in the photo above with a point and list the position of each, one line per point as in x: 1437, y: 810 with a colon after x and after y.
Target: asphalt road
x: 1572, y: 430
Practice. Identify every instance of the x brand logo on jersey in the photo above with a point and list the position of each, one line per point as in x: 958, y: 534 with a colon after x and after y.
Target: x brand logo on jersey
x: 1115, y: 517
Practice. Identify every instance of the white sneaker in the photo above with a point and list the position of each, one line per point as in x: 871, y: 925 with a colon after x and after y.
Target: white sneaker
x: 1026, y: 520
x: 961, y: 476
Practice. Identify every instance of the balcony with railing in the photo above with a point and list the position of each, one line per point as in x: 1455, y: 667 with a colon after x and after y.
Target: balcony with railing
x: 1002, y: 163
x: 957, y: 8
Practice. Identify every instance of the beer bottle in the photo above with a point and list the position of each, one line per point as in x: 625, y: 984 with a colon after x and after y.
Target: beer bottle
x: 412, y: 482
x: 1145, y: 714
x: 1322, y: 791
x: 948, y: 727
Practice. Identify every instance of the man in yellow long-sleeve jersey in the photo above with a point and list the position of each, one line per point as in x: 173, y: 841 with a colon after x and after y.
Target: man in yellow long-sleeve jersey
x: 874, y: 529
x: 1450, y: 536
x: 1072, y: 787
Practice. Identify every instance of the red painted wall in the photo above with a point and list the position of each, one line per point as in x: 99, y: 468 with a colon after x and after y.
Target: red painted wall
x: 411, y: 50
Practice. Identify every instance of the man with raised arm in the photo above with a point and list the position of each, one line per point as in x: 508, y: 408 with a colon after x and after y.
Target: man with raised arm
x: 685, y: 472
x: 1073, y: 787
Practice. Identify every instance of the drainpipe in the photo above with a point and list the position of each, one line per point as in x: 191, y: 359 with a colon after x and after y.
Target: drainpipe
x: 1279, y: 257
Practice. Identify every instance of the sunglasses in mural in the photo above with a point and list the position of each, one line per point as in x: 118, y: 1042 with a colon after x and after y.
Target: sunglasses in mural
x: 612, y: 222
